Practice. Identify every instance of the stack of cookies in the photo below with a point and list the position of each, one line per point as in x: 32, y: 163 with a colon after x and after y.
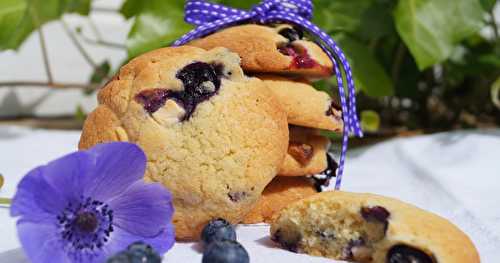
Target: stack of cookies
x: 219, y: 118
x: 287, y: 63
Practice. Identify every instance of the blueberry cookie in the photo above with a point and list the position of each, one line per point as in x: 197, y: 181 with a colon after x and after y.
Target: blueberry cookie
x: 304, y: 105
x: 213, y: 137
x: 278, y: 194
x: 370, y: 228
x: 306, y: 153
x: 274, y: 49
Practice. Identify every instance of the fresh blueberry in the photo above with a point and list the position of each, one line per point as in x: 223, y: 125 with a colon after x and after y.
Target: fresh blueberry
x: 406, y: 254
x: 121, y: 257
x: 141, y: 256
x: 225, y: 251
x: 217, y: 229
x: 291, y: 34
x: 140, y: 246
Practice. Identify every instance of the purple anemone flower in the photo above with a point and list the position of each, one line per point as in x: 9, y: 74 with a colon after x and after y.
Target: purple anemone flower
x: 88, y: 205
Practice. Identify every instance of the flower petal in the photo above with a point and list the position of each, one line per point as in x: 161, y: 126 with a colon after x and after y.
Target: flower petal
x: 41, y: 242
x: 36, y: 198
x: 143, y: 209
x: 118, y: 165
x: 49, y: 188
x: 120, y: 239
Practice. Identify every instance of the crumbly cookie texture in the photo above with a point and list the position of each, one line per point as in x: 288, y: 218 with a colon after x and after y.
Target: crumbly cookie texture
x: 306, y: 153
x: 274, y: 49
x: 277, y: 195
x: 369, y: 228
x: 212, y: 136
x: 304, y: 105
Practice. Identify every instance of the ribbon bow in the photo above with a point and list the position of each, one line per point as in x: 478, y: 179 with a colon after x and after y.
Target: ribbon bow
x: 209, y: 17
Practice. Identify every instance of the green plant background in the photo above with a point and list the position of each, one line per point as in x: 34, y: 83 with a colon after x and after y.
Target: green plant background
x: 418, y: 64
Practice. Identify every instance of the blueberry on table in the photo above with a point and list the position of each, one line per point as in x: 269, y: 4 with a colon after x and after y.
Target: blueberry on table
x: 140, y: 246
x: 121, y: 257
x: 217, y: 229
x: 137, y: 252
x: 225, y: 251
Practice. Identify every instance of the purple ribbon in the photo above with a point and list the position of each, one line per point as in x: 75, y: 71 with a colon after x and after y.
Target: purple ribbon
x: 209, y: 18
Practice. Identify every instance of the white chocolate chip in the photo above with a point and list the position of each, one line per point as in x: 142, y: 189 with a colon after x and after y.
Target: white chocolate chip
x: 169, y: 114
x: 208, y: 86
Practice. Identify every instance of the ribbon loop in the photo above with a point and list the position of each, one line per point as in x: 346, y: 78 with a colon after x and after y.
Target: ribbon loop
x: 210, y: 17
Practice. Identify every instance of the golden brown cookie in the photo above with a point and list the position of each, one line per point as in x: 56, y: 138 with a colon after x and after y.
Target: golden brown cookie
x: 370, y: 228
x: 306, y: 153
x: 304, y: 105
x: 273, y: 49
x: 213, y: 137
x: 278, y: 194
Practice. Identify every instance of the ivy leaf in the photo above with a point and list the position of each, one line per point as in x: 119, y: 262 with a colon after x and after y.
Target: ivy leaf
x: 370, y: 76
x: 488, y: 4
x: 18, y: 18
x: 157, y: 25
x: 339, y: 15
x: 432, y: 28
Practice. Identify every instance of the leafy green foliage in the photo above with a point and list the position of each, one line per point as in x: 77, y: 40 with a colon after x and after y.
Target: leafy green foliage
x: 427, y: 55
x: 432, y: 28
x: 488, y: 4
x: 370, y: 76
x: 18, y: 18
x: 157, y: 24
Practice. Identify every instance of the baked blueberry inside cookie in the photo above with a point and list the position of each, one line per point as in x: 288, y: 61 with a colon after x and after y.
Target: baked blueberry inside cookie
x: 200, y: 80
x: 369, y: 228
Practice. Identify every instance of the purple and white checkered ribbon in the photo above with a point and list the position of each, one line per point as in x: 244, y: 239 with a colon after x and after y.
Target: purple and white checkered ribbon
x: 209, y: 17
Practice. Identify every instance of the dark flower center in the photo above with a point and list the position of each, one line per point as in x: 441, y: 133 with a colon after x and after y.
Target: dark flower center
x: 86, y: 222
x: 86, y: 225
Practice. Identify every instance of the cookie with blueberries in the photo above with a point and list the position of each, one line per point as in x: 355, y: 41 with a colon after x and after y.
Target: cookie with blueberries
x: 369, y: 228
x: 306, y: 153
x: 278, y: 194
x: 278, y: 48
x: 304, y: 105
x: 214, y: 137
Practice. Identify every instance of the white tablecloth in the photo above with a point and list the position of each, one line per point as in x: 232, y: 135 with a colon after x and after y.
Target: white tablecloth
x: 456, y: 175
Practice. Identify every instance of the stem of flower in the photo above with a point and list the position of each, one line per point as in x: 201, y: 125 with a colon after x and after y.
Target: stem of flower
x: 5, y: 201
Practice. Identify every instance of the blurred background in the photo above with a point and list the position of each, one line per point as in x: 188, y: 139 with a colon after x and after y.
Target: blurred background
x: 421, y: 66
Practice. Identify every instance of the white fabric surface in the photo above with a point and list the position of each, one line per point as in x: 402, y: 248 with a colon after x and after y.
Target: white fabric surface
x: 455, y: 175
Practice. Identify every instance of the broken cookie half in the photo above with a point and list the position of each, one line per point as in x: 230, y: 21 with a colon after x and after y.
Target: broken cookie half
x: 369, y: 228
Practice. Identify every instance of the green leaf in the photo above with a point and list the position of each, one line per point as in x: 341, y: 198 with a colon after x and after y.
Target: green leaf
x: 157, y: 25
x: 370, y: 121
x: 488, y: 4
x: 131, y: 8
x: 18, y: 18
x: 101, y: 72
x: 432, y: 28
x: 370, y: 76
x: 339, y: 15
